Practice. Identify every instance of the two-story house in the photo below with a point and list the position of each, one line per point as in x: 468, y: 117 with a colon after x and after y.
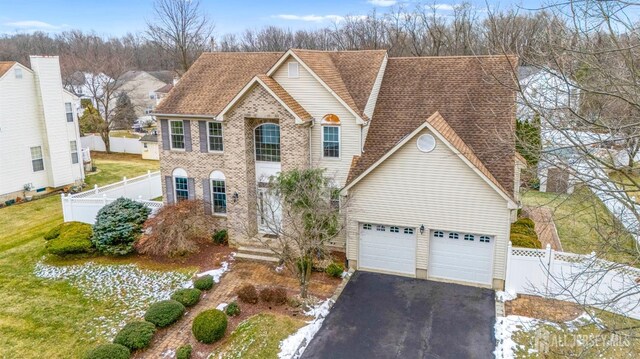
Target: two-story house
x: 423, y: 147
x: 39, y: 135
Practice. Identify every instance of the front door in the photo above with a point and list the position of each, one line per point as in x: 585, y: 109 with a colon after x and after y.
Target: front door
x: 269, y: 211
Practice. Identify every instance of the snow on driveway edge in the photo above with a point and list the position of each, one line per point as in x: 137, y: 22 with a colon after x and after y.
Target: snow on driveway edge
x: 294, y: 345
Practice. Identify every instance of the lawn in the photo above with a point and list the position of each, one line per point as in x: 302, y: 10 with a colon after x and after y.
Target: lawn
x: 123, y: 133
x: 45, y: 318
x: 585, y: 225
x: 258, y: 337
x: 112, y: 167
x: 629, y: 181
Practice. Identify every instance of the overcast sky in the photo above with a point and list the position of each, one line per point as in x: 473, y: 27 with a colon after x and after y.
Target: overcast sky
x: 117, y: 17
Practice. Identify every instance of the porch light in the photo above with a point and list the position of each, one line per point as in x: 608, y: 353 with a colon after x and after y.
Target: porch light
x: 235, y: 197
x: 422, y: 229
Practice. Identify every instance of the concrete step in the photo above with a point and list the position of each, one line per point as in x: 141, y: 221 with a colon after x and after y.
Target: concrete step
x: 256, y: 257
x: 261, y: 250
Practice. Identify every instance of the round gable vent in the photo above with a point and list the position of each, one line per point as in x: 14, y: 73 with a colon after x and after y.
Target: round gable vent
x: 426, y: 143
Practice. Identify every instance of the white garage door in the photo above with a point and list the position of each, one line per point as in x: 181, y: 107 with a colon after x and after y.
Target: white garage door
x: 387, y: 248
x: 466, y: 257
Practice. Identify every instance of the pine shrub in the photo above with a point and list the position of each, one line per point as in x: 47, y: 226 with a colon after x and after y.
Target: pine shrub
x: 164, y: 313
x: 209, y: 326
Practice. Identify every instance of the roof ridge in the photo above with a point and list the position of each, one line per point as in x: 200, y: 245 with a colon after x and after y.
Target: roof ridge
x: 450, y: 57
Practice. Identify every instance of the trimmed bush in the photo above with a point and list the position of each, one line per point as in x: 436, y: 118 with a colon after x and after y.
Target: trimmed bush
x: 203, y: 283
x: 521, y: 240
x: 118, y: 226
x: 232, y: 309
x: 279, y: 296
x: 135, y: 335
x: 266, y: 295
x: 220, y: 237
x: 334, y: 270
x: 522, y: 229
x: 527, y: 222
x: 108, y: 351
x: 188, y: 297
x: 184, y: 352
x: 164, y: 313
x: 209, y: 326
x: 248, y: 294
x: 69, y: 238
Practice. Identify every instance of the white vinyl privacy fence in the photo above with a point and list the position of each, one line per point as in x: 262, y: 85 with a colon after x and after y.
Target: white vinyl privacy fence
x: 583, y: 279
x: 117, y: 144
x: 84, y: 206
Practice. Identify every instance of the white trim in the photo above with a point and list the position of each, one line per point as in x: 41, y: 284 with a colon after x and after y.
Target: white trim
x: 510, y: 203
x: 44, y: 168
x: 221, y: 135
x: 297, y: 67
x: 244, y: 90
x: 205, y: 117
x: 10, y: 70
x: 212, y: 193
x: 371, y: 102
x: 171, y: 134
x: 339, y: 142
x: 359, y: 120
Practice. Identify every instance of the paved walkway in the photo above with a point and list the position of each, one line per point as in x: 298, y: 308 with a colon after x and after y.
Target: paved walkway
x: 240, y: 273
x: 545, y: 227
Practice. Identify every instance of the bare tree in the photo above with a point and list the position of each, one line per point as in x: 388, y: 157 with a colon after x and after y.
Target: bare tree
x: 181, y: 29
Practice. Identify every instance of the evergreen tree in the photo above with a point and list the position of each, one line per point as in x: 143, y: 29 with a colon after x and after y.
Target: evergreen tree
x: 125, y: 113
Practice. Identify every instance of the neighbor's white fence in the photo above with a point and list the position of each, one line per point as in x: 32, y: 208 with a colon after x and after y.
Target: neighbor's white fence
x: 583, y: 279
x: 84, y: 206
x: 118, y: 144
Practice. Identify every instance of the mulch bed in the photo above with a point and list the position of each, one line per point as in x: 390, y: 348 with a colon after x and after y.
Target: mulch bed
x: 543, y: 308
x: 209, y: 256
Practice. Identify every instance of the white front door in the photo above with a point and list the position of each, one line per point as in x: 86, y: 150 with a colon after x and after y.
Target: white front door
x: 387, y: 249
x: 269, y: 211
x: 461, y: 257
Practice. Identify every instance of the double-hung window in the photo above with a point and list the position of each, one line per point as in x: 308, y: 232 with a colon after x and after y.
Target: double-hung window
x: 69, y: 110
x: 176, y: 132
x: 74, y: 152
x: 331, y: 141
x: 37, y: 162
x: 219, y: 194
x: 215, y: 136
x: 182, y: 189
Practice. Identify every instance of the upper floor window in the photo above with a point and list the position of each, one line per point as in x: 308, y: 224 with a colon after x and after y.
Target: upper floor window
x: 294, y: 70
x: 74, y: 152
x: 331, y: 141
x: 37, y: 162
x: 267, y: 142
x: 18, y: 72
x: 69, y: 110
x: 176, y: 132
x: 215, y: 136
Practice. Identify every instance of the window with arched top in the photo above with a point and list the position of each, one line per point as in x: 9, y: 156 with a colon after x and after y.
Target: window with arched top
x: 180, y: 184
x: 267, y: 142
x: 218, y: 192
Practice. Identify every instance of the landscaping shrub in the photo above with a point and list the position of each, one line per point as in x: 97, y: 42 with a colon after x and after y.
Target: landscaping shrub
x: 188, y: 297
x: 527, y: 222
x: 521, y: 240
x: 108, y: 351
x: 209, y: 326
x: 220, y: 237
x: 248, y: 294
x: 203, y: 283
x: 523, y: 229
x: 335, y: 270
x: 266, y: 295
x: 118, y: 226
x: 184, y: 352
x: 232, y: 309
x: 69, y: 238
x: 135, y: 335
x: 279, y: 296
x: 164, y: 313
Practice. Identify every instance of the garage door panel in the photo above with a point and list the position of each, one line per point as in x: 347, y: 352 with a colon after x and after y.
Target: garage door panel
x: 459, y: 259
x: 387, y: 251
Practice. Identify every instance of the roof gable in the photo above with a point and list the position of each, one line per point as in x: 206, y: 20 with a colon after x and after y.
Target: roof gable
x: 5, y: 66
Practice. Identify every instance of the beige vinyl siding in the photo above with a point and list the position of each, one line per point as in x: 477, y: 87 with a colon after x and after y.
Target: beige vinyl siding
x: 435, y: 189
x: 318, y: 101
x: 373, y: 98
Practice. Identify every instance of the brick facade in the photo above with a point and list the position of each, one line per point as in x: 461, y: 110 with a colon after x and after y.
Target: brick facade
x: 237, y: 161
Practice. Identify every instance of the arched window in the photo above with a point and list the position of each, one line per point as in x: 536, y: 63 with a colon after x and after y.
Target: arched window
x: 218, y: 192
x: 267, y: 142
x: 180, y: 184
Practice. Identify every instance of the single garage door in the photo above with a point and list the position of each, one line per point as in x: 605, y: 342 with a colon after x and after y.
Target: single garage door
x: 465, y: 257
x: 387, y: 249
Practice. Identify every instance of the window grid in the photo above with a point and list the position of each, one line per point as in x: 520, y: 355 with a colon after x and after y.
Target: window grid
x: 267, y: 142
x: 37, y: 163
x: 469, y: 237
x: 219, y: 192
x: 331, y: 141
x: 394, y: 229
x: 177, y: 134
x: 408, y: 231
x: 438, y: 234
x: 453, y: 235
x: 366, y: 226
x: 182, y: 189
x: 215, y: 136
x: 69, y: 111
x: 380, y: 228
x: 485, y: 239
x: 74, y: 152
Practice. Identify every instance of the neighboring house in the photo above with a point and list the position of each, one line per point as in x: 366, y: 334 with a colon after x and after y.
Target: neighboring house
x: 163, y: 91
x: 150, y: 147
x: 39, y: 135
x: 547, y: 91
x: 88, y: 86
x: 141, y: 88
x: 423, y: 147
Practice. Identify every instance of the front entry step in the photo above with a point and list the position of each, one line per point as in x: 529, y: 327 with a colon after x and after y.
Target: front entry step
x: 256, y: 254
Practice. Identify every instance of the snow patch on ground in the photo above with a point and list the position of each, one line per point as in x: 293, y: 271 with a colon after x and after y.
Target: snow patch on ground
x: 505, y: 327
x: 293, y: 346
x: 222, y: 306
x: 217, y: 273
x: 127, y: 288
x: 506, y: 296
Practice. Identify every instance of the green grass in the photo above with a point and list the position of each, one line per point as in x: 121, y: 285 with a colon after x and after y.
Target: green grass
x: 258, y: 337
x: 113, y: 167
x: 621, y: 342
x: 629, y: 181
x: 123, y: 133
x: 42, y: 318
x: 585, y: 225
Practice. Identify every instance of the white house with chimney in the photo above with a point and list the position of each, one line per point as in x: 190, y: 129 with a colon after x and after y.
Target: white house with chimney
x: 39, y: 135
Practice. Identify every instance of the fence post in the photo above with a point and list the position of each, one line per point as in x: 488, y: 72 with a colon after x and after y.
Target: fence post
x: 507, y: 277
x: 64, y: 209
x: 124, y: 185
x: 548, y: 258
x: 95, y: 188
x: 104, y: 200
x: 148, y: 186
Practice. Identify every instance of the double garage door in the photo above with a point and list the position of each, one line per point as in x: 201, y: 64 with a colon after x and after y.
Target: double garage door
x: 454, y: 256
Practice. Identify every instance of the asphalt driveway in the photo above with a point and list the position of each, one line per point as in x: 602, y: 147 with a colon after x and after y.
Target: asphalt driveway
x: 384, y: 316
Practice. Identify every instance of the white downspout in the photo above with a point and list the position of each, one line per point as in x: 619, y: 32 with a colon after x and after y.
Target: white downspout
x: 313, y: 122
